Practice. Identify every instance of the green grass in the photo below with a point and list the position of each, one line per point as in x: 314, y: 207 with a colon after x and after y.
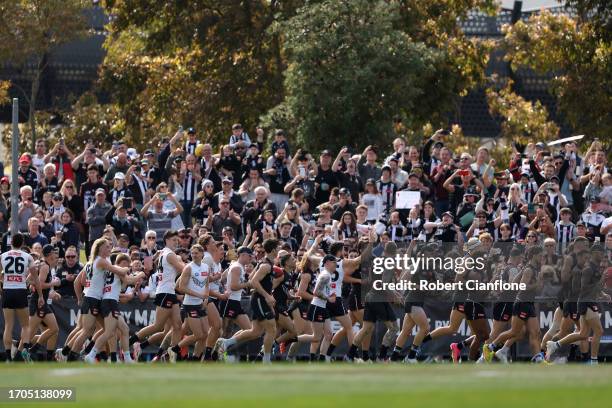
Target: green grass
x: 380, y: 386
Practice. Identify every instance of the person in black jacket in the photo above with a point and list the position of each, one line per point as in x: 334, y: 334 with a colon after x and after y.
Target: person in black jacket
x: 123, y: 222
x: 67, y: 272
x: 68, y: 235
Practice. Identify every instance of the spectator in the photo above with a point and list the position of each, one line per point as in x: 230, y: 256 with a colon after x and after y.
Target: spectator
x: 238, y: 135
x: 26, y: 175
x: 26, y: 207
x: 62, y: 158
x: 157, y: 218
x: 96, y: 217
x: 67, y: 272
x: 226, y: 217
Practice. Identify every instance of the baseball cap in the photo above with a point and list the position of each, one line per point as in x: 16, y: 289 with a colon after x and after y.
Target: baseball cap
x: 148, y: 152
x: 48, y: 249
x: 328, y: 258
x: 227, y: 180
x: 540, y: 145
x: 119, y: 176
x: 326, y: 152
x: 100, y: 191
x: 343, y: 191
x: 5, y: 179
x: 191, y: 130
x: 144, y: 161
x: 25, y: 158
x: 413, y: 174
x: 449, y: 214
x: 57, y: 196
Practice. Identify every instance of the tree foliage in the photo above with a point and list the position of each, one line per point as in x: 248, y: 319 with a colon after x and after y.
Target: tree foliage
x: 199, y: 63
x: 30, y: 29
x: 581, y: 56
x: 352, y: 66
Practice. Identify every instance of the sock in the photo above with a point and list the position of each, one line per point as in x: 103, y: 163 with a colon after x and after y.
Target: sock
x: 72, y: 356
x: 113, y: 356
x: 50, y: 355
x: 176, y: 349
x: 196, y: 358
x: 65, y: 350
x: 330, y: 350
x: 33, y: 349
x: 504, y: 349
x: 351, y: 353
x: 490, y: 346
x: 396, y: 353
x: 594, y: 358
x: 8, y: 356
x: 427, y: 338
x: 413, y: 351
x: 160, y: 351
x: 215, y: 355
x: 382, y: 353
x: 230, y: 342
x: 266, y: 357
x: 313, y: 357
x: 144, y: 344
x: 89, y: 347
x: 586, y: 356
x: 134, y: 339
x: 365, y: 354
x: 208, y: 354
x: 103, y: 356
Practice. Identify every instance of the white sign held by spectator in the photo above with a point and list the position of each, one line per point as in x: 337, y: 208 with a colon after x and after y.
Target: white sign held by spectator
x: 407, y: 199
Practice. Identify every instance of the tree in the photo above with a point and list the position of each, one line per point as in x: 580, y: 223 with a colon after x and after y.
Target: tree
x: 200, y: 63
x: 30, y: 29
x: 355, y: 65
x: 579, y: 52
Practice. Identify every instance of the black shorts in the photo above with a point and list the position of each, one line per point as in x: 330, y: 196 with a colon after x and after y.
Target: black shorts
x: 194, y: 311
x: 378, y: 311
x: 280, y: 309
x: 166, y: 300
x: 260, y: 310
x: 409, y: 305
x: 570, y: 309
x: 524, y: 310
x: 502, y: 312
x: 109, y: 307
x: 41, y: 312
x: 214, y: 301
x: 336, y: 308
x: 232, y: 309
x: 459, y: 306
x: 583, y: 306
x: 354, y: 301
x: 14, y: 298
x: 474, y: 311
x: 301, y: 307
x: 90, y: 305
x: 317, y: 314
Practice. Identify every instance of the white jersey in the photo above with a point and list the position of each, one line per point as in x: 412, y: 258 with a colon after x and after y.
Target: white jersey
x: 15, y: 265
x: 197, y: 282
x: 235, y: 294
x: 167, y: 272
x: 215, y: 286
x: 96, y: 279
x: 337, y: 277
x: 327, y: 289
x: 112, y: 286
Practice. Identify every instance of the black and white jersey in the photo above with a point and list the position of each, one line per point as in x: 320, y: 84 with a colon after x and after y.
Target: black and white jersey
x: 15, y: 266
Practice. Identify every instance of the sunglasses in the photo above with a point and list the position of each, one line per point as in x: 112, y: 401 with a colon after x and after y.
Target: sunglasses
x: 70, y: 256
x: 70, y: 187
x: 151, y: 238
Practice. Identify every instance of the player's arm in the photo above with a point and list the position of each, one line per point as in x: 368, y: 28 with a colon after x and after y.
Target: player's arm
x: 236, y: 285
x: 319, y: 289
x: 33, y: 270
x: 258, y: 276
x: 183, y: 283
x: 526, y: 278
x: 78, y: 285
x: 302, y: 291
x: 117, y: 270
x: 175, y: 261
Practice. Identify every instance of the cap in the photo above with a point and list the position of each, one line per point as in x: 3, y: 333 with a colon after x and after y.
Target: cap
x: 343, y: 191
x: 25, y: 158
x: 393, y: 158
x: 148, y: 152
x: 413, y: 174
x: 580, y: 224
x: 57, y: 196
x: 100, y: 191
x: 371, y: 181
x: 191, y: 131
x: 385, y: 167
x: 449, y: 214
x: 540, y: 145
x: 471, y: 191
x: 554, y: 178
x: 328, y: 258
x: 236, y: 126
x: 525, y: 174
x: 5, y: 179
x: 326, y: 152
x: 227, y: 180
x: 123, y: 236
x: 245, y: 250
x: 48, y: 249
x: 144, y: 161
x: 119, y: 176
x: 472, y: 244
x: 132, y: 153
x: 253, y: 145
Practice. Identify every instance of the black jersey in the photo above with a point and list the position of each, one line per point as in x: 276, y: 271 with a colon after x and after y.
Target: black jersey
x: 45, y: 292
x: 528, y: 295
x: 281, y: 292
x: 590, y: 283
x: 268, y: 280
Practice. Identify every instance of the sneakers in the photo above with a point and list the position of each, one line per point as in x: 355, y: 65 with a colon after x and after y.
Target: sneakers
x: 162, y: 358
x: 592, y: 362
x: 551, y: 348
x: 25, y: 354
x: 59, y: 357
x: 172, y: 355
x: 220, y: 346
x: 137, y: 351
x: 90, y: 359
x: 481, y: 359
x: 502, y: 356
x: 487, y: 353
x: 410, y: 360
x: 538, y: 358
x: 455, y: 353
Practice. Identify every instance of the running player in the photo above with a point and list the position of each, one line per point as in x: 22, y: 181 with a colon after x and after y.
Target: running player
x: 109, y: 306
x: 588, y: 309
x: 44, y: 314
x: 168, y: 265
x: 262, y: 304
x: 523, y: 313
x: 236, y: 283
x: 283, y: 293
x: 16, y: 264
x: 194, y: 284
x: 215, y: 298
x: 324, y: 293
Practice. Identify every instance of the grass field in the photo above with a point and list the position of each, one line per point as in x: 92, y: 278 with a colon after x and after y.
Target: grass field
x: 300, y: 385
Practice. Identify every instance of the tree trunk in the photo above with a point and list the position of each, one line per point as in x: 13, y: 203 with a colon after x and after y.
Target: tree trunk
x: 40, y: 66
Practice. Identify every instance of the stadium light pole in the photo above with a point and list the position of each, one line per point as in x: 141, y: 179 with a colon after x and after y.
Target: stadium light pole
x: 14, y: 159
